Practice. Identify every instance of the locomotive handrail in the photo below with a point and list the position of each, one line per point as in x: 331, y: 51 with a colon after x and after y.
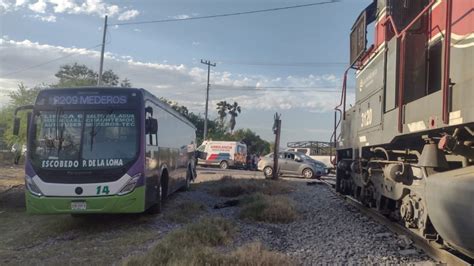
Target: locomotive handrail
x: 447, y: 59
x: 446, y: 63
x: 398, y: 34
x: 342, y: 113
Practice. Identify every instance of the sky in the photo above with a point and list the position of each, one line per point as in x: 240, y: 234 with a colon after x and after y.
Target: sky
x: 288, y: 61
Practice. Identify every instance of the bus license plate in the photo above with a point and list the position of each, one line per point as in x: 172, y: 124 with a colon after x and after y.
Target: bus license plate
x: 78, y: 205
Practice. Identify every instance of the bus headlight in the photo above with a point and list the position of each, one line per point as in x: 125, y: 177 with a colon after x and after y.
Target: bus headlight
x: 130, y: 186
x: 32, y: 187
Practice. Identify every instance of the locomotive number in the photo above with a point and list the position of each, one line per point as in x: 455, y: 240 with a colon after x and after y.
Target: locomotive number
x: 366, y: 118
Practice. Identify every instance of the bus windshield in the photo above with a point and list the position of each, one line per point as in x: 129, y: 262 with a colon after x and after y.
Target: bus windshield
x: 84, y: 140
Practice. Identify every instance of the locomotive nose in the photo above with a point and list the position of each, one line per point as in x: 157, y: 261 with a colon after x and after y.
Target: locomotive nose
x: 449, y: 199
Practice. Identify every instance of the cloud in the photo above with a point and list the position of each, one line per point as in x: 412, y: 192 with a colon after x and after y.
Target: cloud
x: 129, y: 14
x: 184, y: 84
x: 195, y: 43
x: 182, y: 16
x: 38, y: 7
x: 50, y: 18
x: 76, y: 7
x: 4, y: 5
x: 20, y: 2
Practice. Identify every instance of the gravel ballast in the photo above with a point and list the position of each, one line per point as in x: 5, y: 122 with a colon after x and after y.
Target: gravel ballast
x: 328, y: 230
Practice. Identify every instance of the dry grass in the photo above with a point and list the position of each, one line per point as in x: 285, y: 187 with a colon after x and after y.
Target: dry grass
x: 191, y: 245
x: 231, y: 187
x: 184, y: 212
x: 272, y: 209
x: 55, y: 239
x: 254, y: 254
x: 196, y: 244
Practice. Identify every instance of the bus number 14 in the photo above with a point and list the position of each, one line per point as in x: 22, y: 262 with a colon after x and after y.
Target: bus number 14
x: 102, y: 190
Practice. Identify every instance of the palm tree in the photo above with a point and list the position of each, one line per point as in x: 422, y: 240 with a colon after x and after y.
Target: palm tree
x: 234, y: 111
x: 222, y: 108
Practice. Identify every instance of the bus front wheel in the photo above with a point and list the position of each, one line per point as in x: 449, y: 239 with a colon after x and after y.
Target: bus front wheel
x: 156, y: 208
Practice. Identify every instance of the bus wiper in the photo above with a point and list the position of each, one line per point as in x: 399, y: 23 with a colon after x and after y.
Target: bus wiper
x: 93, y: 133
x: 61, y: 129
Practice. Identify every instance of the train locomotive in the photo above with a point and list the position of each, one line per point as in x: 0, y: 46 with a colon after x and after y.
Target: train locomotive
x: 405, y: 146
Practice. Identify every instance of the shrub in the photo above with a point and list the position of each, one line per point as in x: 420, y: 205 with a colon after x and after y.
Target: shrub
x: 234, y: 187
x: 264, y: 208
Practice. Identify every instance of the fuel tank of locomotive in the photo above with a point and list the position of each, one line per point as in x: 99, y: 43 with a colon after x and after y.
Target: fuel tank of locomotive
x: 407, y: 144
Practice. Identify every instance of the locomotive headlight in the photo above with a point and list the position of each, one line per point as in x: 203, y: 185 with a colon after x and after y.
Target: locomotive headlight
x: 130, y: 186
x: 32, y: 187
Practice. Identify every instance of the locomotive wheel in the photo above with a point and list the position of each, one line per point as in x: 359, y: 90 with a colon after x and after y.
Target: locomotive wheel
x: 367, y: 196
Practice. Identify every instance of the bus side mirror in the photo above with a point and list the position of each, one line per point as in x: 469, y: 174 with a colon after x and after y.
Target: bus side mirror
x: 28, y: 122
x: 151, y: 126
x: 149, y: 110
x: 16, y: 126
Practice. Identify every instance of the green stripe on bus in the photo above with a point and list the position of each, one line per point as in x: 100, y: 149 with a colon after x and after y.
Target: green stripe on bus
x: 130, y: 203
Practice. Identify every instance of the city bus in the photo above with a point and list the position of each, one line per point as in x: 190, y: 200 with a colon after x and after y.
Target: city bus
x: 104, y: 150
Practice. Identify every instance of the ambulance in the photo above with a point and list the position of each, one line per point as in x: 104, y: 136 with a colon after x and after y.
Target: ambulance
x: 224, y: 154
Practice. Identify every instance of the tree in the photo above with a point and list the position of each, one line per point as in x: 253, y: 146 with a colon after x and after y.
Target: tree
x: 222, y: 108
x: 125, y: 83
x: 109, y: 78
x: 255, y: 144
x: 76, y: 75
x: 234, y: 111
x: 22, y: 96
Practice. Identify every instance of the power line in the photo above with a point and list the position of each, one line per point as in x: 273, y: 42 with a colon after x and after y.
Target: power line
x: 224, y: 88
x: 46, y: 62
x: 225, y: 14
x: 285, y: 64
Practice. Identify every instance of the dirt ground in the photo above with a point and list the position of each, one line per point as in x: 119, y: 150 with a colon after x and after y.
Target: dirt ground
x: 114, y: 239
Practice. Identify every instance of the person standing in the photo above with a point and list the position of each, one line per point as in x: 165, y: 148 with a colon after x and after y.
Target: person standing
x: 16, y: 150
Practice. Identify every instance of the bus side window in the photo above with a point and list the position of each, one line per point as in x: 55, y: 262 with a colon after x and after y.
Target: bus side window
x: 151, y: 128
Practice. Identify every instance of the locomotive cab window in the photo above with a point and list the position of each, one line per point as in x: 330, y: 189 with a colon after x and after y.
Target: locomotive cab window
x: 358, y: 37
x: 434, y: 67
x: 415, y: 58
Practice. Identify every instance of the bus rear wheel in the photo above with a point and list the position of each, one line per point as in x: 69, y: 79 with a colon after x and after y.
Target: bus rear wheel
x: 189, y: 177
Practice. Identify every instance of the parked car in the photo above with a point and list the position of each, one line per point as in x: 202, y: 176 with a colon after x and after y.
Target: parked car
x: 292, y: 163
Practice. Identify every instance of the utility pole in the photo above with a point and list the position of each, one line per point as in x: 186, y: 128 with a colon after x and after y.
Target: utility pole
x: 276, y: 131
x: 99, y: 82
x: 208, y: 63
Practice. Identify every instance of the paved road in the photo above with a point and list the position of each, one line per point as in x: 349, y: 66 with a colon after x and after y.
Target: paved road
x: 214, y: 173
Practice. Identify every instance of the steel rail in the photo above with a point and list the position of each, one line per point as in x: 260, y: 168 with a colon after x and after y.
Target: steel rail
x: 434, y: 250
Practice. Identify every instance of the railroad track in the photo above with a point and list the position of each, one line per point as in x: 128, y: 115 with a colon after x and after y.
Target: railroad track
x: 436, y: 251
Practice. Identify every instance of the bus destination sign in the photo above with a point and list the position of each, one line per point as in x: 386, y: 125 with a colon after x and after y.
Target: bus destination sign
x: 87, y: 99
